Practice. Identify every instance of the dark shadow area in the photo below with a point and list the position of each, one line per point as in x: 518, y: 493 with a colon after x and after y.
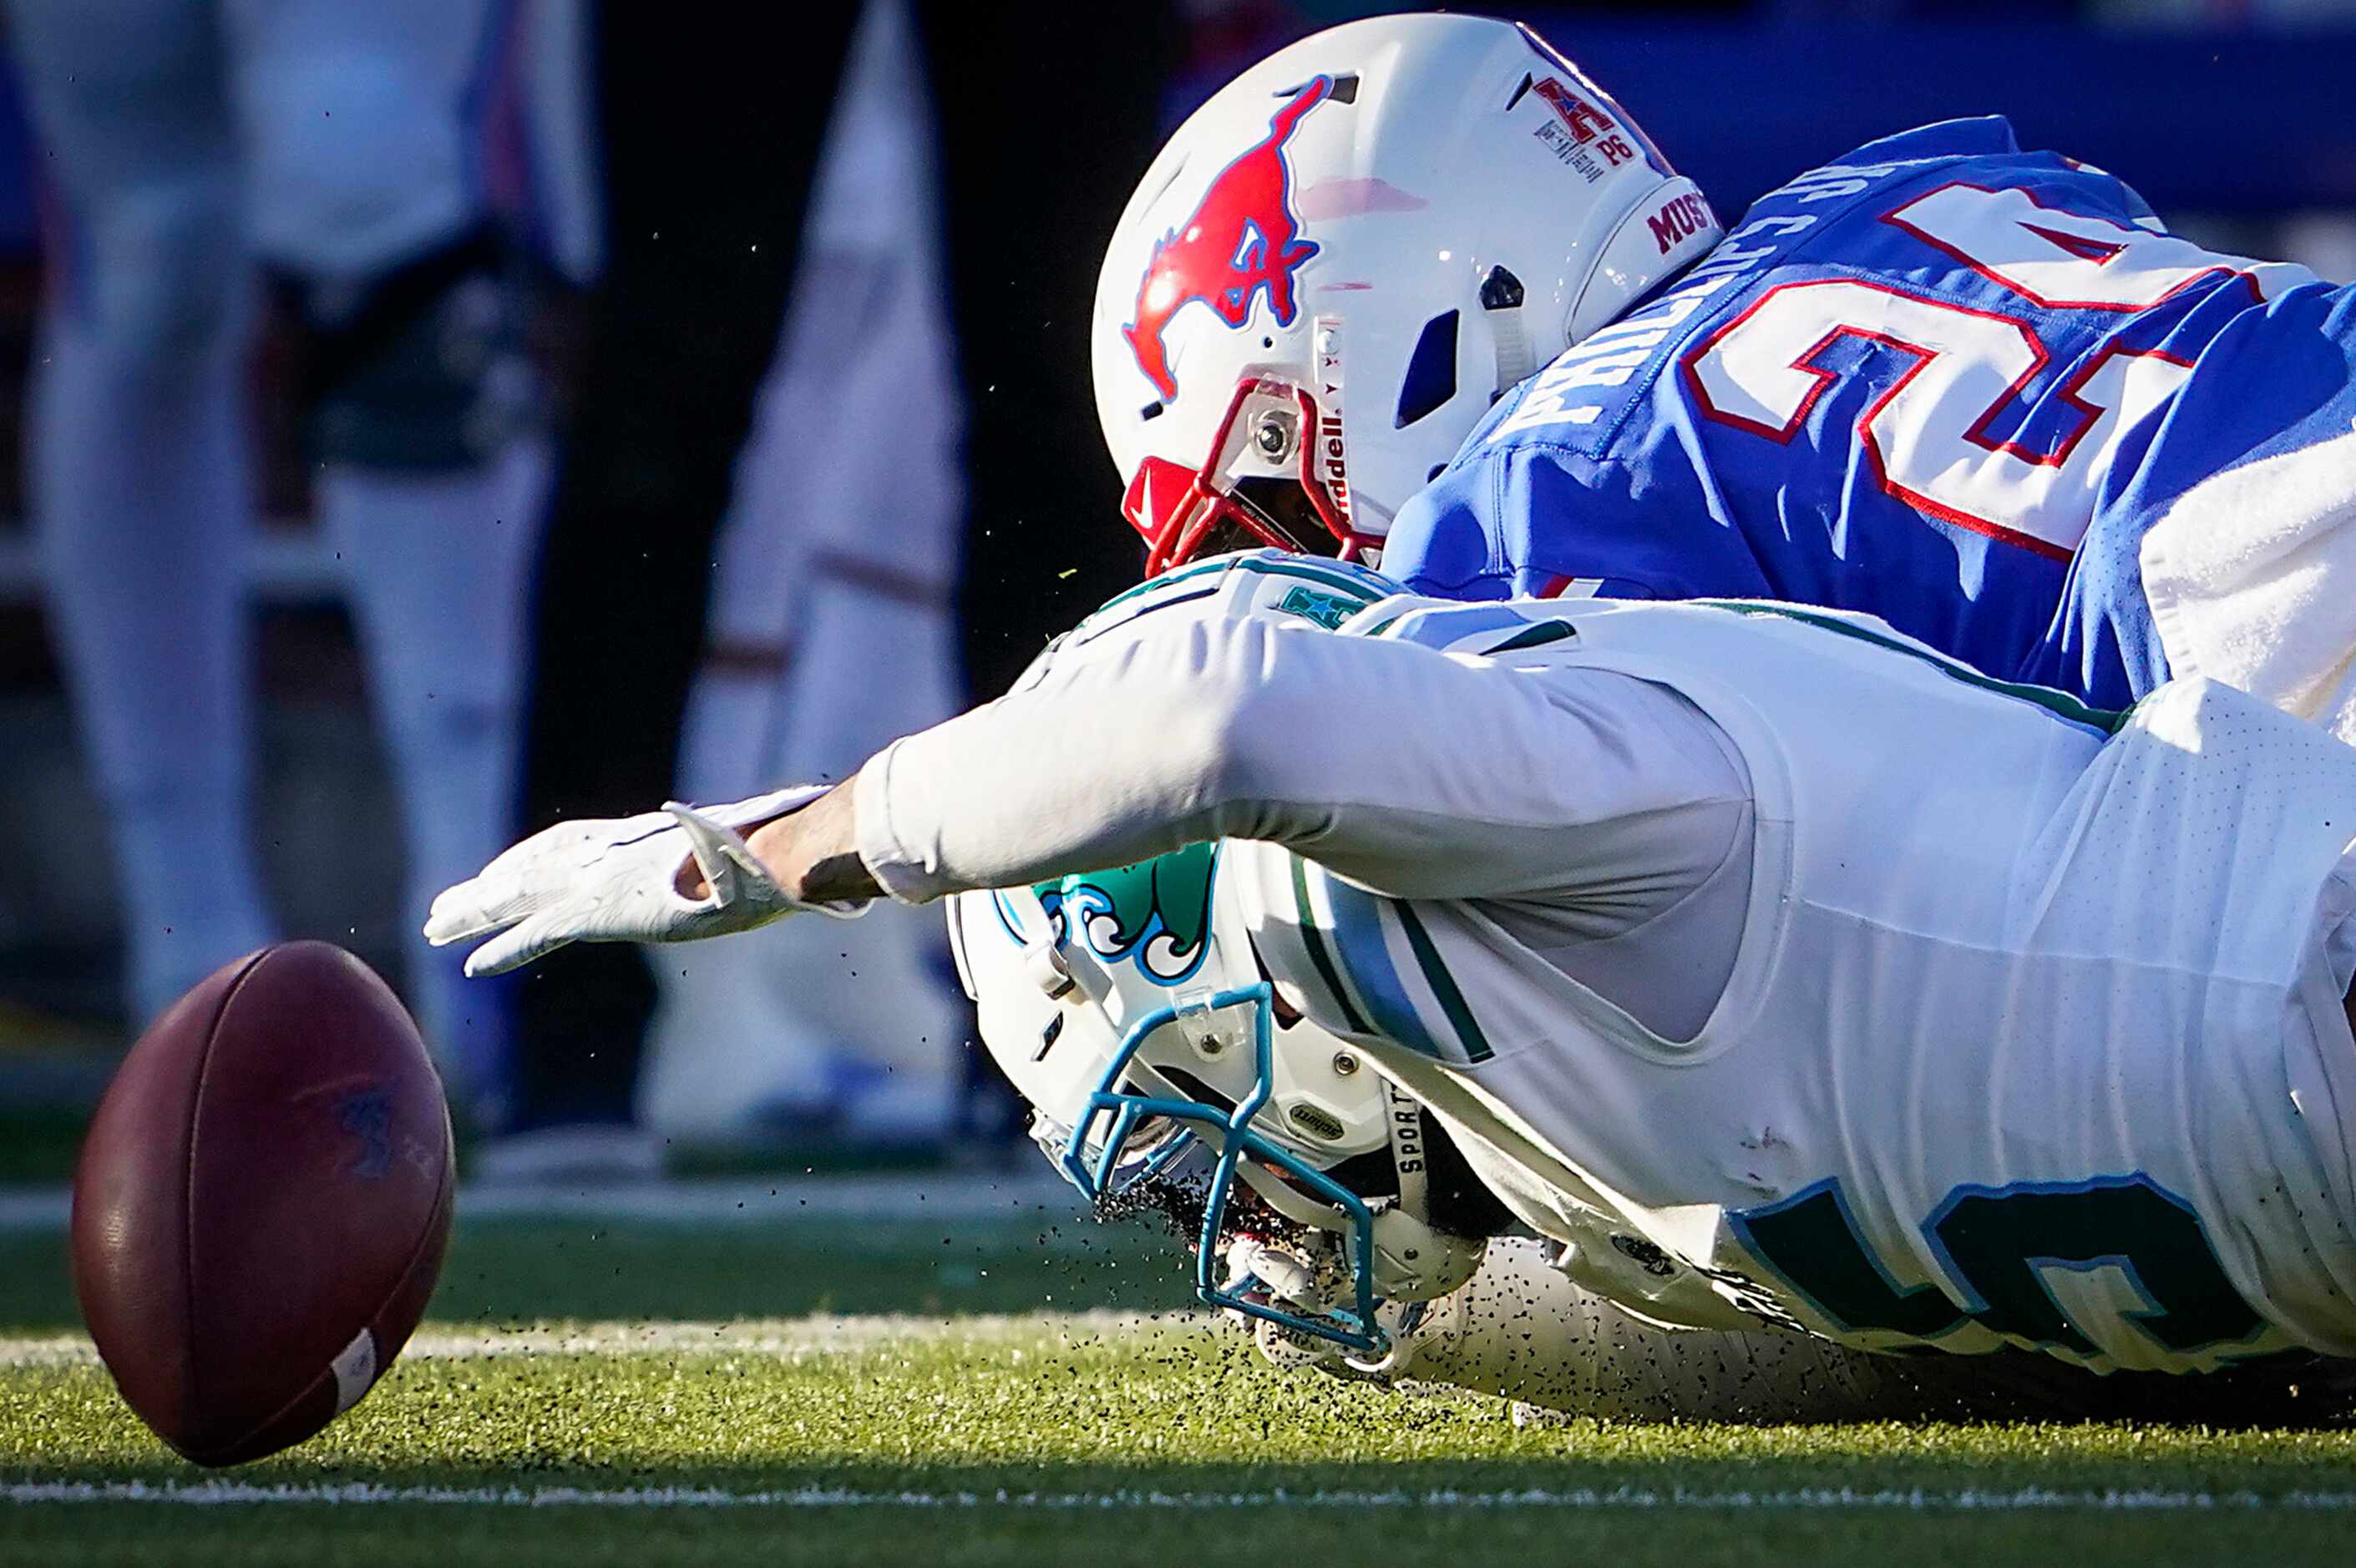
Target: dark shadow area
x: 512, y: 1271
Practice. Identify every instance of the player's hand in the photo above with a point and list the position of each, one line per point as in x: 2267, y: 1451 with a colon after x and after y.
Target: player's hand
x: 620, y: 880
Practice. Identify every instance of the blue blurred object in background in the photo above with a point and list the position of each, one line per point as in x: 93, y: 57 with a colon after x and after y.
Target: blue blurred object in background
x: 17, y: 201
x: 2239, y: 123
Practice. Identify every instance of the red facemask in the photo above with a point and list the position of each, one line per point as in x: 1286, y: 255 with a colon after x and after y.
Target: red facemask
x: 1179, y: 510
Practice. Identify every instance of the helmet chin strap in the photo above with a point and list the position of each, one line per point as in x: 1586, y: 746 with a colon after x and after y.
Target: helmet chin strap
x: 1403, y: 1118
x: 1412, y: 1264
x: 1501, y: 296
x: 1414, y: 1260
x: 1411, y: 1259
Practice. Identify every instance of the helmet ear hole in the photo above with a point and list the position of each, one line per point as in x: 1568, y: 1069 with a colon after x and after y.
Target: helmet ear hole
x: 1048, y: 1036
x: 1430, y: 380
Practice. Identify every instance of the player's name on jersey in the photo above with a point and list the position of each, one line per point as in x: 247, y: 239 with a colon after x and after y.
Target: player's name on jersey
x: 1574, y: 390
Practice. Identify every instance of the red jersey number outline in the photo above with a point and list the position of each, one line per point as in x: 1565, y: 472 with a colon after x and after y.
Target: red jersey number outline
x: 2097, y: 253
x: 1872, y: 439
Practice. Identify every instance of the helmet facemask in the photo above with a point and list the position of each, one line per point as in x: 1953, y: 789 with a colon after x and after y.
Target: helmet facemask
x: 1093, y: 1159
x: 1273, y: 476
x: 1129, y: 1008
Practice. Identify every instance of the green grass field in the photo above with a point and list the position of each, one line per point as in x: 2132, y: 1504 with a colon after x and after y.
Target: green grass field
x: 845, y: 1389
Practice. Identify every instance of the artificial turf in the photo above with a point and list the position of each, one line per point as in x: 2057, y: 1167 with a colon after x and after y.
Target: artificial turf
x: 1112, y: 1440
x: 530, y: 1270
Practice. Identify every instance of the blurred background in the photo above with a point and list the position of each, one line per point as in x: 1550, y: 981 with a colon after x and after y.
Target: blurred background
x: 422, y: 421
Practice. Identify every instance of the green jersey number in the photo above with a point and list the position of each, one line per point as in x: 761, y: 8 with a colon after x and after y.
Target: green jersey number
x: 1997, y: 1243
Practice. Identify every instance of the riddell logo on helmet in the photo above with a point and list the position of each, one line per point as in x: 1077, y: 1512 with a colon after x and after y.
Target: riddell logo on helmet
x: 1333, y: 452
x: 1334, y: 459
x: 1240, y: 241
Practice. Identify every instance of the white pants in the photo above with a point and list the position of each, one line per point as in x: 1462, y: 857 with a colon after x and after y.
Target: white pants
x: 335, y: 140
x: 305, y: 113
x: 832, y: 633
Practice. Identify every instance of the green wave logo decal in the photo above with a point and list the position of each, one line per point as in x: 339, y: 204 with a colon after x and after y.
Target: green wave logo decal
x: 1155, y: 913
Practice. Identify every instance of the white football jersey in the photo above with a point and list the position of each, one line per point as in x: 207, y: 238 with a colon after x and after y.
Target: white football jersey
x: 2021, y: 1043
x: 2020, y: 1021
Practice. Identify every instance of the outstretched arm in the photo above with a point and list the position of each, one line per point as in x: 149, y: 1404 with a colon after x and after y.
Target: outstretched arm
x: 1412, y: 773
x: 814, y: 853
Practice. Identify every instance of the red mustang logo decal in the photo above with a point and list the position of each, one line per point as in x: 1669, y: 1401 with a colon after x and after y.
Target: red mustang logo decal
x: 1241, y: 240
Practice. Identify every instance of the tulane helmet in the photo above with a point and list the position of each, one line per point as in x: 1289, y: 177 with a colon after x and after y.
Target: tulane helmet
x: 1129, y: 1008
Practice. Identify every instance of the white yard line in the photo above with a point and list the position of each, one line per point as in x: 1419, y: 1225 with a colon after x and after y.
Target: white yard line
x: 213, y: 1494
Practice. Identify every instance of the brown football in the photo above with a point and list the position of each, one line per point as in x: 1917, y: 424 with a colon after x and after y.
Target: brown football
x: 261, y: 1204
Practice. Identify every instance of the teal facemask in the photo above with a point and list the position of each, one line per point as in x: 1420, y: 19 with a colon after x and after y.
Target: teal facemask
x: 1101, y: 1175
x: 1128, y: 1006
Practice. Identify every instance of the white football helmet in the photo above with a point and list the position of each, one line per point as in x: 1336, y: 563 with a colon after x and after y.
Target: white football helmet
x: 1127, y: 1007
x: 1344, y: 256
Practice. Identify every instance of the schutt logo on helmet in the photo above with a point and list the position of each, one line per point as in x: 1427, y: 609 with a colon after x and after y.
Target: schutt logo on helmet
x: 1240, y: 241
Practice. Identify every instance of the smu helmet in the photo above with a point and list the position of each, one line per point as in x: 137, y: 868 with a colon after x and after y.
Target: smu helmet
x: 1344, y: 256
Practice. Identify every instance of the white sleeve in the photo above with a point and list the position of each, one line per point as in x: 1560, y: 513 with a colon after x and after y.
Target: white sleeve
x: 1411, y: 772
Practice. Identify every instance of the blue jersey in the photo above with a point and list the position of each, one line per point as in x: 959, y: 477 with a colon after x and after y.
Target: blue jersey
x: 1943, y: 382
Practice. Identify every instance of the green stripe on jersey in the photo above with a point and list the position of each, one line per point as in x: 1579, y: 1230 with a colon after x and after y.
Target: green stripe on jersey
x: 1443, y: 986
x: 1304, y: 569
x: 1537, y: 634
x: 2061, y: 704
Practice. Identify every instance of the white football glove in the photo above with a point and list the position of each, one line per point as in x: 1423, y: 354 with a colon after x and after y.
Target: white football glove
x: 615, y: 880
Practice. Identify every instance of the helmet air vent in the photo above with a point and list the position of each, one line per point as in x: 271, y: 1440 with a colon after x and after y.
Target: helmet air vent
x: 1343, y: 91
x: 1048, y: 1036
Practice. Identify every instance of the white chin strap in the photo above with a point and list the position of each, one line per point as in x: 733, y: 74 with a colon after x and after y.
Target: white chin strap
x: 1403, y: 1118
x: 1413, y: 1261
x: 1515, y: 359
